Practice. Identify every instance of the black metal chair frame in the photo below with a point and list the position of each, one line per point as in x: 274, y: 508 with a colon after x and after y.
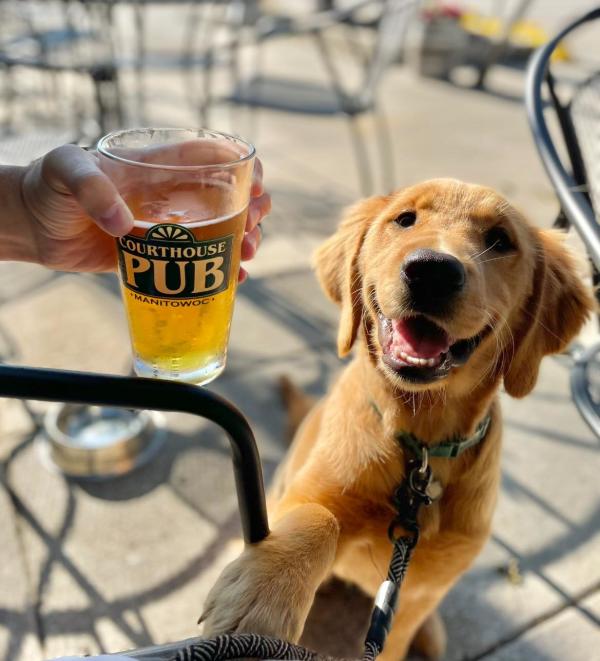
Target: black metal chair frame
x: 135, y: 393
x: 103, y: 72
x: 572, y: 189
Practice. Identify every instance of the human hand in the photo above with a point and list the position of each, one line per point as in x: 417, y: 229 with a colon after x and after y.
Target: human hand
x: 74, y: 211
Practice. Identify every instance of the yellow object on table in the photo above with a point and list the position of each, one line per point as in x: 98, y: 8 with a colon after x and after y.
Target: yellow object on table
x: 524, y: 33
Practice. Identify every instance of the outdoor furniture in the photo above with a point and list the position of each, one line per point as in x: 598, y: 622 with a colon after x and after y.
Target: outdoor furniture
x: 576, y: 180
x: 60, y: 39
x: 199, y: 51
x: 499, y: 47
x: 136, y: 393
x: 87, y: 38
x: 387, y: 18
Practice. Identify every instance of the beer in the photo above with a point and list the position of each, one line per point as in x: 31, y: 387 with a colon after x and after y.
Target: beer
x: 188, y: 191
x: 179, y: 271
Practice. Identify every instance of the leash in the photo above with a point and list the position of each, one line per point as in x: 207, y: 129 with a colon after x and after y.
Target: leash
x: 417, y: 490
x: 403, y: 533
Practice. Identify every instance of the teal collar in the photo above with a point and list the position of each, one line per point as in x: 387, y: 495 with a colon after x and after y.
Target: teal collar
x: 449, y: 448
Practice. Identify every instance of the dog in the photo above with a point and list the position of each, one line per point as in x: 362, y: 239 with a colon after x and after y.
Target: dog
x: 448, y: 292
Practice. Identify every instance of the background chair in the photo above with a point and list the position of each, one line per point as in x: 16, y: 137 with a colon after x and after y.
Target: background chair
x: 576, y: 180
x: 208, y: 28
x: 57, y: 60
x: 385, y: 20
x: 84, y: 64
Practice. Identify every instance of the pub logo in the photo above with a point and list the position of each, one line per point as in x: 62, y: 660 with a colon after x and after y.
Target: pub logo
x: 168, y: 262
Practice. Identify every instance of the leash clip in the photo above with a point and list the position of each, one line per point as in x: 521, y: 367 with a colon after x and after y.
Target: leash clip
x: 419, y: 480
x: 408, y: 498
x: 424, y: 460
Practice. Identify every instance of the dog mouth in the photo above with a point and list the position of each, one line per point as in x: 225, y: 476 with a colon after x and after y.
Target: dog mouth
x: 419, y: 350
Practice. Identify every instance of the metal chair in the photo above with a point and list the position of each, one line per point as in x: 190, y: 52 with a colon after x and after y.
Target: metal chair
x: 576, y: 180
x: 85, y: 37
x: 387, y: 18
x: 134, y: 393
x: 200, y: 49
x: 59, y: 40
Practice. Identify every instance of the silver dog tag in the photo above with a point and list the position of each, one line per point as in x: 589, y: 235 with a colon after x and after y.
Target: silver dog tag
x: 434, y: 489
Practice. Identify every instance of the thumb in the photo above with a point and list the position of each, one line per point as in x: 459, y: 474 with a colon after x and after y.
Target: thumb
x: 73, y: 171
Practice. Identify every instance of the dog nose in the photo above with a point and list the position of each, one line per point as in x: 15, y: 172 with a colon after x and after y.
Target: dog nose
x: 430, y: 274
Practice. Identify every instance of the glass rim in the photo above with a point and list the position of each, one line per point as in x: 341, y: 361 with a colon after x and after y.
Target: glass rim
x: 101, y: 147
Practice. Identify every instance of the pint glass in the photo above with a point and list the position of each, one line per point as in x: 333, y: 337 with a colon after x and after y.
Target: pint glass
x: 188, y: 191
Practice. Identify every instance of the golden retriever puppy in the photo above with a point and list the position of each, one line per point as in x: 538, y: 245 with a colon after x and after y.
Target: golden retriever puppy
x: 448, y: 292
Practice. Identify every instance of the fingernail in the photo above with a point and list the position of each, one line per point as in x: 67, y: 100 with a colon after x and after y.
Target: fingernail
x: 118, y: 220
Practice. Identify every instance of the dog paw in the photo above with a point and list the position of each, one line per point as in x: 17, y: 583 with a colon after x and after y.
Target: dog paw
x: 252, y: 597
x: 270, y: 588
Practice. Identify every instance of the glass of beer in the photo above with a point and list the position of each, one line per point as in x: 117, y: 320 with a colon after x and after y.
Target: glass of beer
x: 188, y: 191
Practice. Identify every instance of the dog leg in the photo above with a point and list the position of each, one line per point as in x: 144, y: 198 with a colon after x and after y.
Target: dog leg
x: 430, y: 640
x: 435, y: 567
x: 412, y: 616
x: 270, y: 588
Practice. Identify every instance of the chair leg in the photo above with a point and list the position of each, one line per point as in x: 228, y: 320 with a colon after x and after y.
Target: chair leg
x: 233, y: 66
x: 249, y: 110
x: 140, y: 55
x: 193, y: 27
x: 596, y: 286
x: 256, y: 75
x: 362, y: 156
x: 207, y: 81
x: 9, y: 96
x: 208, y: 20
x: 386, y: 150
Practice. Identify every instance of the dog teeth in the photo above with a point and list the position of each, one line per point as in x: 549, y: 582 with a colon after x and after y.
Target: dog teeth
x: 421, y: 362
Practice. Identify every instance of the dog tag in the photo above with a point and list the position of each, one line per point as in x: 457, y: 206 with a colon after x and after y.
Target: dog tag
x: 434, y: 489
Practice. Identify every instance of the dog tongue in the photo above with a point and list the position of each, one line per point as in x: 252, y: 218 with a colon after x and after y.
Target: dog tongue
x: 419, y: 337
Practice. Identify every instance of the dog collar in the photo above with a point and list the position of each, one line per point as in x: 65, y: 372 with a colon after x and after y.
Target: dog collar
x: 449, y: 448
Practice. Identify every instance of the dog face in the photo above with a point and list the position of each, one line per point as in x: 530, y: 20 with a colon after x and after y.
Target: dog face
x: 445, y: 276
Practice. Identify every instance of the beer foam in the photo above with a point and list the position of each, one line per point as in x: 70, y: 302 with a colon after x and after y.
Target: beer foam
x: 147, y: 224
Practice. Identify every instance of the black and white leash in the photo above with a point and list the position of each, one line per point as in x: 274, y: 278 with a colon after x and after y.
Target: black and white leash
x: 403, y: 533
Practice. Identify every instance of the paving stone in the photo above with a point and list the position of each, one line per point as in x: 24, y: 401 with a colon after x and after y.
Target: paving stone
x: 18, y: 629
x: 73, y: 323
x: 16, y: 425
x: 256, y: 394
x: 550, y: 511
x: 571, y: 634
x: 18, y: 279
x: 96, y: 551
x: 486, y: 606
x: 283, y: 315
x: 546, y: 521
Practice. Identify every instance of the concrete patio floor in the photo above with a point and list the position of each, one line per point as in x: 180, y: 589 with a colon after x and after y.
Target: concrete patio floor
x: 103, y: 567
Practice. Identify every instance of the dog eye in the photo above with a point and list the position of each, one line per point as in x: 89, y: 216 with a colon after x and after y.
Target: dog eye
x: 406, y: 219
x: 497, y: 239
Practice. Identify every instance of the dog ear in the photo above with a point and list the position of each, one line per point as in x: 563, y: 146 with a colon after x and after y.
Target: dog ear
x: 337, y: 266
x: 551, y: 317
